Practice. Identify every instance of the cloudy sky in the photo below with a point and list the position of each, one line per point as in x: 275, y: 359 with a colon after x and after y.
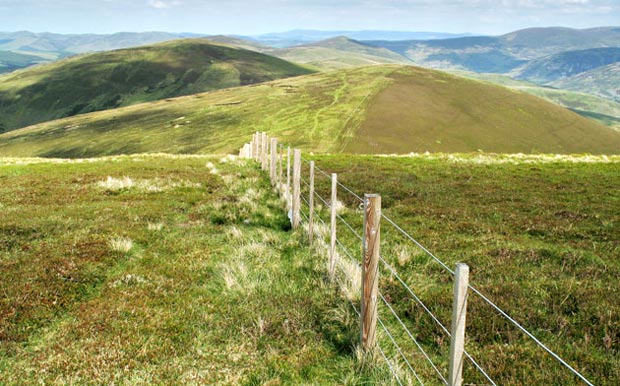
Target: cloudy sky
x: 259, y: 16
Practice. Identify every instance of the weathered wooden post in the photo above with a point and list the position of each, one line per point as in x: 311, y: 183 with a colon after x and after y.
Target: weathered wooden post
x: 288, y: 177
x: 280, y: 156
x: 273, y: 164
x: 296, y: 187
x: 264, y: 144
x: 370, y: 270
x: 332, y: 243
x: 311, y: 204
x: 257, y: 146
x: 251, y: 147
x: 459, y: 311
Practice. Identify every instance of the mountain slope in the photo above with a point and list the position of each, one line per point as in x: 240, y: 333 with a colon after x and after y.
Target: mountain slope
x: 338, y: 52
x: 129, y: 76
x: 10, y: 61
x: 566, y: 64
x: 500, y: 54
x: 376, y: 109
x: 603, y: 81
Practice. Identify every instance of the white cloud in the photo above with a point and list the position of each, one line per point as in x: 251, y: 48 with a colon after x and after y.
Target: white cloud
x: 163, y: 4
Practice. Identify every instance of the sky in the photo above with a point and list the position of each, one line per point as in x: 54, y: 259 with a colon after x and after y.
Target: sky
x: 251, y: 17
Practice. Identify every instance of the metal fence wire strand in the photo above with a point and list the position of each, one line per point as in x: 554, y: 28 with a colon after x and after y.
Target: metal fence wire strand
x: 400, y: 351
x: 428, y: 359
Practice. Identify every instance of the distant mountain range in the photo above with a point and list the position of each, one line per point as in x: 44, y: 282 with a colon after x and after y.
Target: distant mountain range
x: 545, y: 56
x: 567, y: 64
x: 602, y: 81
x: 501, y: 54
x: 302, y: 36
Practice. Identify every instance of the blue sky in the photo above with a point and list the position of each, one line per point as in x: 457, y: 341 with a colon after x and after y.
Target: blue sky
x: 254, y: 17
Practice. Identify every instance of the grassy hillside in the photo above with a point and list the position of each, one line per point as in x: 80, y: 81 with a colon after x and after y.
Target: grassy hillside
x: 124, y: 77
x: 603, y: 81
x: 604, y: 111
x: 162, y: 270
x: 567, y: 64
x: 336, y: 53
x: 11, y: 61
x: 377, y: 109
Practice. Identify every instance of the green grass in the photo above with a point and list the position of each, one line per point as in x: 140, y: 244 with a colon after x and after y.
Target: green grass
x: 376, y: 109
x: 125, y: 77
x: 163, y: 270
x: 156, y: 269
x: 540, y: 235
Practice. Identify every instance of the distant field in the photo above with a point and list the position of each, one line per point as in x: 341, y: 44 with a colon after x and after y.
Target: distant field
x: 375, y: 109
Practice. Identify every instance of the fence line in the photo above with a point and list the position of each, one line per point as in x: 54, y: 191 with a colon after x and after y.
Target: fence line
x: 257, y: 149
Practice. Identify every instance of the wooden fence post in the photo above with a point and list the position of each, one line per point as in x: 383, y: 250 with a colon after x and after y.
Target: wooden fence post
x: 459, y: 311
x: 296, y: 187
x: 332, y: 240
x: 272, y: 164
x: 311, y: 204
x: 256, y: 145
x: 251, y: 147
x: 280, y: 156
x: 264, y: 151
x: 370, y: 270
x: 288, y: 177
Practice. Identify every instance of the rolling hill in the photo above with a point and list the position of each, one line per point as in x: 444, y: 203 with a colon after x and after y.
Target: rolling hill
x: 335, y: 53
x: 602, y: 81
x: 501, y: 54
x: 11, y: 61
x: 567, y: 64
x: 124, y: 77
x: 376, y: 109
x: 604, y: 111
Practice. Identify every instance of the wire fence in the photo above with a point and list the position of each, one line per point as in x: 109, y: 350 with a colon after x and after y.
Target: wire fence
x: 412, y: 348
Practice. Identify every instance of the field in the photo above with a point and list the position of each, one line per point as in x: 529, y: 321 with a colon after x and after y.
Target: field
x: 158, y: 269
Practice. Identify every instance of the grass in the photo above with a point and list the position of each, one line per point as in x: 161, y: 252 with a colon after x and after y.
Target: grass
x: 198, y: 283
x: 540, y: 234
x: 375, y: 109
x: 125, y: 77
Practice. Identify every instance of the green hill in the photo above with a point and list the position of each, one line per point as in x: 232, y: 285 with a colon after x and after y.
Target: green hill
x: 10, y: 61
x: 336, y: 53
x: 602, y: 81
x: 376, y: 109
x: 124, y: 77
x: 567, y: 64
x: 604, y: 111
